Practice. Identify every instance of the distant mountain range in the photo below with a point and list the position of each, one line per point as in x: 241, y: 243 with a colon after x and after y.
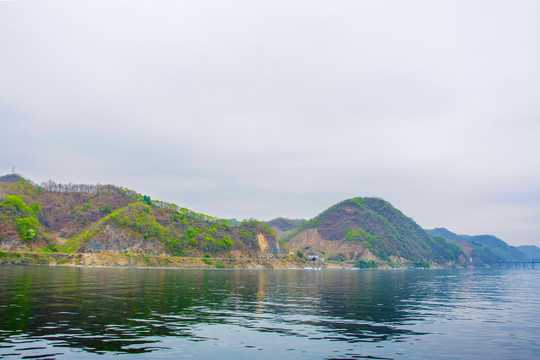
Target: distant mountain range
x: 398, y: 237
x: 482, y: 248
x: 530, y: 251
x: 369, y: 232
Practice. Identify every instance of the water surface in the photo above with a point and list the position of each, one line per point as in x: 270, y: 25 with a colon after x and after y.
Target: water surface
x: 83, y: 313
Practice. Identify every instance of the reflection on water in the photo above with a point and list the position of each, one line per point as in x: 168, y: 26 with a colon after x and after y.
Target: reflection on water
x: 84, y: 312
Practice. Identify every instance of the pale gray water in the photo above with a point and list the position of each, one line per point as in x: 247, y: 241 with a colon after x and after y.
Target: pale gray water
x: 56, y: 312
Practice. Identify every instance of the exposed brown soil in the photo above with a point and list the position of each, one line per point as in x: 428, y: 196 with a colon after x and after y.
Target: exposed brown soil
x: 311, y: 242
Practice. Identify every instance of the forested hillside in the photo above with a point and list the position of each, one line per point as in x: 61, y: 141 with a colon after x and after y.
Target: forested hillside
x: 84, y: 219
x: 105, y: 218
x: 372, y: 230
x: 482, y: 249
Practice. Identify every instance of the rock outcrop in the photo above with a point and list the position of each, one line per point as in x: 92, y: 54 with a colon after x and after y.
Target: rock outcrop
x: 12, y: 242
x: 269, y: 247
x: 111, y: 239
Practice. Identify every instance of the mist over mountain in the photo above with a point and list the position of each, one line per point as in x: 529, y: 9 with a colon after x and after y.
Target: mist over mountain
x: 530, y: 251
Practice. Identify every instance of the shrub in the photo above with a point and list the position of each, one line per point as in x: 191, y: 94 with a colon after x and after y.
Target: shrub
x: 363, y: 264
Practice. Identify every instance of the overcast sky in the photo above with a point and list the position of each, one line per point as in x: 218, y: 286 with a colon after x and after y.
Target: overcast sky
x: 282, y: 108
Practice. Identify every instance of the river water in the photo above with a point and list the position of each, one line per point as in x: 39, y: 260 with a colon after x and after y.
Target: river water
x: 87, y: 313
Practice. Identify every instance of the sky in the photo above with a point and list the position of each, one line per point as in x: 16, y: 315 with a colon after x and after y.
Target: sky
x: 260, y: 109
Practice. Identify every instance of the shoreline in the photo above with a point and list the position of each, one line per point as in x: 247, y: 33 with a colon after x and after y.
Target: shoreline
x: 143, y: 261
x: 118, y: 260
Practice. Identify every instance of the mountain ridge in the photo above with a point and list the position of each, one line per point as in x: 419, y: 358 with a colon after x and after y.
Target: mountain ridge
x: 530, y: 251
x: 78, y: 218
x: 482, y: 248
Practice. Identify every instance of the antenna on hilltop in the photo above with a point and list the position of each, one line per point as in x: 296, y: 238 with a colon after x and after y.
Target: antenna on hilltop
x: 13, y: 170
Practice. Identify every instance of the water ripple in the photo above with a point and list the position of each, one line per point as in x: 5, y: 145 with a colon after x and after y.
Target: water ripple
x: 86, y: 313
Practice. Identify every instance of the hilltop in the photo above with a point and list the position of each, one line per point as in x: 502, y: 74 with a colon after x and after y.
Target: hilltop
x: 371, y: 231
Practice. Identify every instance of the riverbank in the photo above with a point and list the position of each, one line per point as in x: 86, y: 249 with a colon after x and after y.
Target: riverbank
x: 154, y: 261
x: 143, y: 260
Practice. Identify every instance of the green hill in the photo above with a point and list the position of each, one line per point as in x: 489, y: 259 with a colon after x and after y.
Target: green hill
x: 78, y: 218
x: 482, y: 248
x: 372, y: 230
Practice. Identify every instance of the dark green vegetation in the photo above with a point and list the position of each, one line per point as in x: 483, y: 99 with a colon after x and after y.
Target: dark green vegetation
x: 363, y: 264
x: 482, y: 249
x: 372, y: 229
x: 106, y: 218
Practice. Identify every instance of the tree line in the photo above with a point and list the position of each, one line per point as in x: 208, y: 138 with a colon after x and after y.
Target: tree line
x: 53, y: 186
